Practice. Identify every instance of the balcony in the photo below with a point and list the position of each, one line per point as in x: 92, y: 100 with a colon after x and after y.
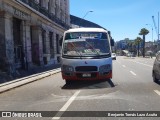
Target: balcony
x: 45, y: 12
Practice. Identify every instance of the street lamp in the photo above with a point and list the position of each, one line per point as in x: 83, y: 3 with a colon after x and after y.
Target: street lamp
x: 84, y: 17
x: 87, y: 14
x: 158, y: 26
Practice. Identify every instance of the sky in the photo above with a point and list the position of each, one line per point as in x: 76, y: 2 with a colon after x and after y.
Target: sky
x: 124, y: 18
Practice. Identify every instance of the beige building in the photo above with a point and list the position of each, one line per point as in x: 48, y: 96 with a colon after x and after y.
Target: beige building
x: 30, y: 31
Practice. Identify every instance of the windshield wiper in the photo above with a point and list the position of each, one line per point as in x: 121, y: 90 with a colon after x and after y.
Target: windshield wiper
x: 92, y: 47
x: 76, y: 50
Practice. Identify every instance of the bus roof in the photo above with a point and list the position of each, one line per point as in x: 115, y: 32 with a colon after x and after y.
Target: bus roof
x: 86, y: 30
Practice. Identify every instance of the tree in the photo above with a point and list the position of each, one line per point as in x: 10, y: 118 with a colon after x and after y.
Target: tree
x: 130, y: 45
x: 143, y: 32
x: 138, y: 40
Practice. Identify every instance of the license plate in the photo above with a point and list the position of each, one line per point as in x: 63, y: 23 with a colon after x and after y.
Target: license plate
x: 86, y: 75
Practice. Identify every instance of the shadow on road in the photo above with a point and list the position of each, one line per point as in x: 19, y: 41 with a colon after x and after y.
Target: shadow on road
x: 89, y: 84
x: 158, y: 82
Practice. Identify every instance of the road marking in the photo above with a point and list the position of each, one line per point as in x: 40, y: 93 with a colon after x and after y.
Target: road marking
x: 64, y: 108
x: 124, y: 66
x: 133, y: 73
x: 141, y: 63
x: 118, y: 62
x: 158, y: 92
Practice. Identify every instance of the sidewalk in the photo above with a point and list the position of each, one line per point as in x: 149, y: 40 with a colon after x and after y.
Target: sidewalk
x: 4, y: 77
x: 147, y: 57
x: 29, y: 76
x: 125, y: 57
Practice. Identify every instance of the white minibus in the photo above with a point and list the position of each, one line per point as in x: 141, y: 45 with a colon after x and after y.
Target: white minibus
x: 86, y: 54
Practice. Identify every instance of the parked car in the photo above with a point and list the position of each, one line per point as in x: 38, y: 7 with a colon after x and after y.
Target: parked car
x: 130, y: 54
x: 113, y: 56
x: 156, y: 68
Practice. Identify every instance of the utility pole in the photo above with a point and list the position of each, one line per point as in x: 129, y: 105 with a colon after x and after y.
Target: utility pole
x: 158, y: 26
x: 157, y: 31
x: 155, y: 26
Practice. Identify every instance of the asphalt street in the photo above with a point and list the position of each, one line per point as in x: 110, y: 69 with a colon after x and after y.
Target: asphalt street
x: 133, y: 90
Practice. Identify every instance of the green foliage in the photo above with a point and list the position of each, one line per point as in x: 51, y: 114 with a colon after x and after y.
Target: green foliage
x: 144, y: 31
x: 138, y: 40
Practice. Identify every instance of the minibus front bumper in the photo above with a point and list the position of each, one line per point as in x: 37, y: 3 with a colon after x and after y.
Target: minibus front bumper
x: 87, y: 76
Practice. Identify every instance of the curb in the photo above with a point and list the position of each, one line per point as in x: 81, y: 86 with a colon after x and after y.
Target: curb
x: 139, y: 57
x: 129, y: 57
x: 22, y: 81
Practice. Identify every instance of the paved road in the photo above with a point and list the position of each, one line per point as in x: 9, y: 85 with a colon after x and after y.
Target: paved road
x: 134, y: 91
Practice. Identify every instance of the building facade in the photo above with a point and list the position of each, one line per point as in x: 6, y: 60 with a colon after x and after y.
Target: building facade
x: 121, y: 45
x: 30, y: 31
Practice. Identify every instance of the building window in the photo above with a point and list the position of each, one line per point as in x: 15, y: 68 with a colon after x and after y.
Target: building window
x: 37, y: 1
x: 51, y: 44
x: 51, y: 39
x: 56, y: 11
x: 61, y: 14
x: 40, y: 2
x: 44, y: 41
x: 57, y: 43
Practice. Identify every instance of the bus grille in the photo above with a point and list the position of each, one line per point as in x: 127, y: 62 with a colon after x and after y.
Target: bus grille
x: 86, y: 68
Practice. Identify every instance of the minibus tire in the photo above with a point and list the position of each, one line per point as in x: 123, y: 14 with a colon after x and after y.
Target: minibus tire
x: 155, y: 79
x: 68, y: 82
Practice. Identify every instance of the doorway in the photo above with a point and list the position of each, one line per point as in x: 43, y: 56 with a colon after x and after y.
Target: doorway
x: 18, y: 44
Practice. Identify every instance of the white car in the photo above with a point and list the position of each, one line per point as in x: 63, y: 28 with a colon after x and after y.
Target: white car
x: 113, y: 56
x: 156, y: 68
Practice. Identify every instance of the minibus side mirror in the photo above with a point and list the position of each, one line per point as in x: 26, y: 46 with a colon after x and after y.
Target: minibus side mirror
x: 112, y: 42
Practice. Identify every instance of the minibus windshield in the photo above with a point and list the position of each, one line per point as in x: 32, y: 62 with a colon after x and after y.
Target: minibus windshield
x: 86, y: 44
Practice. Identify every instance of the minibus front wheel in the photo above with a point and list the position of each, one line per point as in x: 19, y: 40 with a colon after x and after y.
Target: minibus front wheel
x: 68, y: 82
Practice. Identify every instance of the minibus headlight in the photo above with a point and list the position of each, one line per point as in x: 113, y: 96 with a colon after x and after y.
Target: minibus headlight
x: 105, y: 68
x: 67, y: 68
